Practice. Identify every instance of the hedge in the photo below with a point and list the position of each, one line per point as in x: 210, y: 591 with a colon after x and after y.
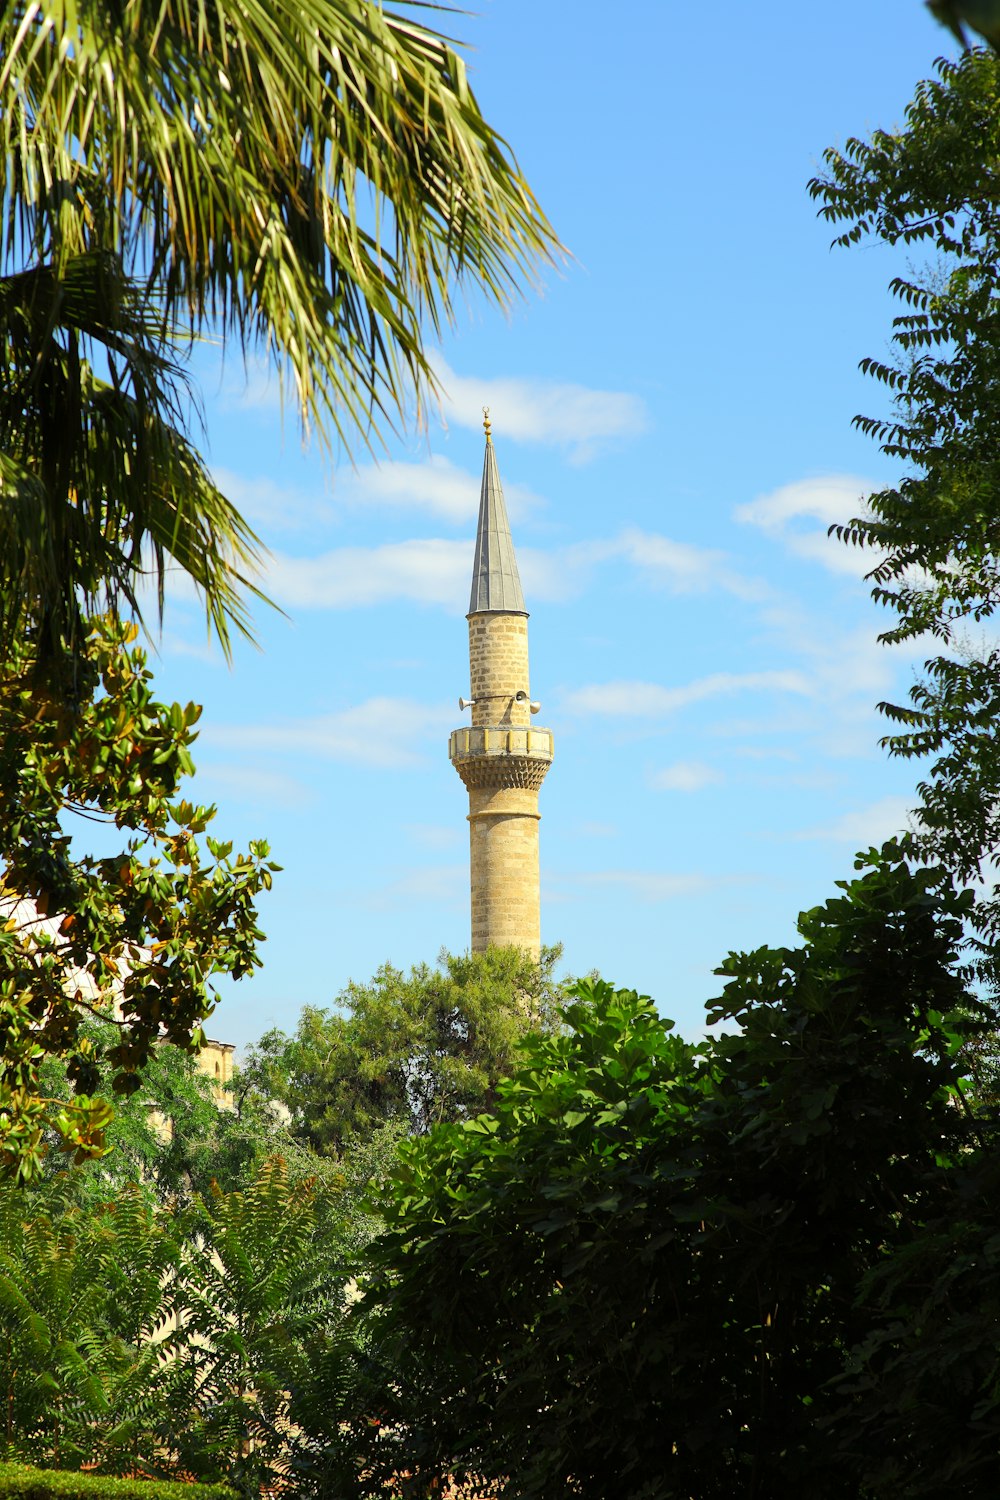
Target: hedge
x: 21, y: 1482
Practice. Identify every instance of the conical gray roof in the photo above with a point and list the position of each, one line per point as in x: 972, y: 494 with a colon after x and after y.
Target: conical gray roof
x: 495, y: 584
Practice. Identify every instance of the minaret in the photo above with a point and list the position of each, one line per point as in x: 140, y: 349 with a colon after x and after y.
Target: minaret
x: 502, y: 759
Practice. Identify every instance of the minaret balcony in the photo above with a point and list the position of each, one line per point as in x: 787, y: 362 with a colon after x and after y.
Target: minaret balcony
x: 501, y: 755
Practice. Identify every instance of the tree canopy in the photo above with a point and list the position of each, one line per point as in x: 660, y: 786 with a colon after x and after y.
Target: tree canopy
x: 132, y: 935
x: 762, y: 1264
x: 665, y: 1269
x: 413, y: 1048
x: 934, y: 534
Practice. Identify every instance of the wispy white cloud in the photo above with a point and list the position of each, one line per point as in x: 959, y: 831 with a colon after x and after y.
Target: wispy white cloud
x: 256, y: 387
x: 651, y: 700
x: 829, y: 499
x: 865, y: 826
x: 845, y: 729
x: 847, y: 663
x: 576, y: 417
x: 426, y: 571
x: 383, y: 732
x: 821, y: 778
x: 684, y: 776
x: 833, y: 554
x: 233, y: 783
x: 554, y: 575
x: 436, y: 570
x: 565, y: 572
x: 850, y: 672
x: 563, y: 414
x: 438, y: 487
x: 435, y: 885
x: 277, y: 506
x: 766, y: 752
x: 432, y: 570
x: 683, y: 568
x: 433, y: 835
x: 643, y: 885
x: 201, y: 646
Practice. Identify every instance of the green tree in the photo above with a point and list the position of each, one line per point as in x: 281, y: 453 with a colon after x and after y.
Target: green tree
x: 174, y: 1136
x: 85, y: 1292
x: 312, y: 181
x: 923, y: 1417
x: 177, y: 1137
x: 131, y: 938
x: 644, y: 1274
x: 416, y: 1048
x: 221, y: 1338
x: 265, y: 1363
x: 934, y: 534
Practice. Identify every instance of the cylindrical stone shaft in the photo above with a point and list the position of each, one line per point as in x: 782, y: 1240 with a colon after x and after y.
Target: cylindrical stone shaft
x: 503, y: 820
x: 498, y: 669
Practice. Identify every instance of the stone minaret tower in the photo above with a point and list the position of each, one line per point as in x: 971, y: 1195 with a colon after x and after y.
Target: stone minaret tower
x: 502, y: 759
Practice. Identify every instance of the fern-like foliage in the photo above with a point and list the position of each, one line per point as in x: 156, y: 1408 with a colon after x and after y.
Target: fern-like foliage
x: 76, y: 1348
x: 262, y: 1354
x: 215, y: 1340
x: 935, y: 535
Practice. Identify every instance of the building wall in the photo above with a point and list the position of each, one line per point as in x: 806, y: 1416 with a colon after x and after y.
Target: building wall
x: 216, y: 1061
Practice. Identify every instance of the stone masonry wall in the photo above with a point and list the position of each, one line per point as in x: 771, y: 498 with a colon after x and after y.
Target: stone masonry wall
x: 503, y: 845
x: 498, y: 668
x: 503, y: 820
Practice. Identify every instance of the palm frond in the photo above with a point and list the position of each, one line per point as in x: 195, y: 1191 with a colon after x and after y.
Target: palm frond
x: 315, y: 175
x: 100, y: 485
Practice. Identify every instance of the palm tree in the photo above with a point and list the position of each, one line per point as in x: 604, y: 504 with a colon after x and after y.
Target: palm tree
x: 307, y: 179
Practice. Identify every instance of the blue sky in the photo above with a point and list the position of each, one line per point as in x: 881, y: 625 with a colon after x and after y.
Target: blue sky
x: 672, y: 417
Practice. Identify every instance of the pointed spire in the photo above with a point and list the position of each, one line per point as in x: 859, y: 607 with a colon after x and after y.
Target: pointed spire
x: 495, y: 582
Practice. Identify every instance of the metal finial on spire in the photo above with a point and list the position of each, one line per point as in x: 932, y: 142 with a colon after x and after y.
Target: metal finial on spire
x: 486, y: 423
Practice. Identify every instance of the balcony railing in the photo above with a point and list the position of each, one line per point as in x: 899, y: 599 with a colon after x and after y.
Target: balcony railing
x: 501, y: 739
